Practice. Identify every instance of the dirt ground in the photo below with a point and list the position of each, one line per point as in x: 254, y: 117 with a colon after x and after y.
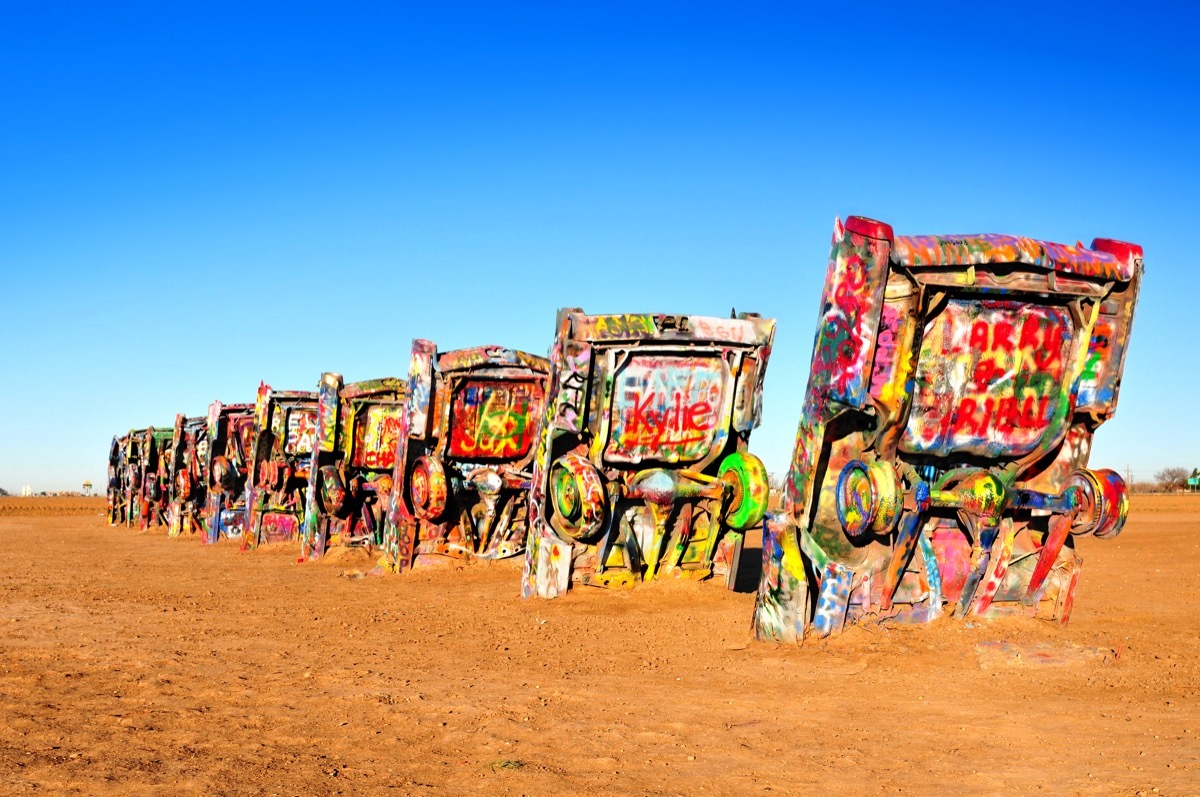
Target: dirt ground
x: 133, y: 664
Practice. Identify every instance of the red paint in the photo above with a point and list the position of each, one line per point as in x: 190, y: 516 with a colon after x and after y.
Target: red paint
x: 871, y: 228
x: 493, y: 419
x: 1119, y: 249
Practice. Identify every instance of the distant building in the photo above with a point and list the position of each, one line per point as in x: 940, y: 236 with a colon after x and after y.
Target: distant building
x: 87, y: 488
x: 26, y: 491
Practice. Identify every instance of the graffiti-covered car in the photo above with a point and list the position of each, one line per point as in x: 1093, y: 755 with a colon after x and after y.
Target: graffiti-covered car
x: 153, y: 473
x: 462, y: 470
x: 187, y: 482
x: 642, y: 464
x: 230, y: 433
x: 285, y: 431
x: 350, y: 479
x: 941, y: 461
x: 123, y: 456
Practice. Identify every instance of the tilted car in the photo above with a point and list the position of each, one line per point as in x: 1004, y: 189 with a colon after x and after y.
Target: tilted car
x: 641, y: 466
x: 941, y: 461
x: 462, y: 471
x: 187, y: 483
x: 350, y: 479
x: 230, y: 436
x: 285, y: 431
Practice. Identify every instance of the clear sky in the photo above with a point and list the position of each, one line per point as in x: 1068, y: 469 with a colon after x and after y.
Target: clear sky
x: 197, y: 196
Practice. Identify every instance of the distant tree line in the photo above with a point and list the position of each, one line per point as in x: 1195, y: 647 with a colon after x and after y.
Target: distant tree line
x: 1168, y: 480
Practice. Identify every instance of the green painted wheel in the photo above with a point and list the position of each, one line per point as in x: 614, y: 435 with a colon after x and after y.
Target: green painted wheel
x: 577, y: 495
x: 747, y: 475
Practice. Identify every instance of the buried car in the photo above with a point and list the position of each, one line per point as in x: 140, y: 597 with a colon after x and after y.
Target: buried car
x: 230, y: 433
x: 941, y: 461
x: 462, y: 471
x: 187, y: 483
x: 285, y: 428
x: 350, y: 478
x: 641, y: 465
x: 123, y: 456
x: 152, y: 477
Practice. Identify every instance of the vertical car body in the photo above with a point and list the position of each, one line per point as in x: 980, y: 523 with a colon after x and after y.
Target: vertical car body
x: 230, y: 432
x: 462, y: 471
x: 122, y: 458
x: 152, y: 477
x: 941, y: 459
x: 187, y: 475
x: 285, y: 432
x: 641, y: 465
x: 350, y: 479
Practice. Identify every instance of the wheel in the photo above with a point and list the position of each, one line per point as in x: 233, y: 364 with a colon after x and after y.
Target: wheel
x: 183, y: 485
x: 1104, y: 503
x: 577, y: 495
x: 428, y: 489
x: 223, y: 475
x: 747, y: 475
x: 869, y: 497
x: 332, y: 490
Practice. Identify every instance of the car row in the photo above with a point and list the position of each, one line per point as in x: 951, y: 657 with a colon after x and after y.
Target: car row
x: 940, y: 467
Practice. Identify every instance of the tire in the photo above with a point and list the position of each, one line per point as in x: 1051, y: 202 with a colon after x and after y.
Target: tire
x: 428, y: 489
x: 577, y: 497
x: 747, y: 475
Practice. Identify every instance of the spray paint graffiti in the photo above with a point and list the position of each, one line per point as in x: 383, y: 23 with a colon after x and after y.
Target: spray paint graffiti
x: 284, y: 436
x: 989, y: 379
x: 230, y: 432
x: 188, y: 483
x: 301, y: 430
x: 667, y: 408
x: 462, y: 473
x: 941, y: 457
x: 641, y: 465
x: 349, y: 479
x: 375, y: 434
x: 492, y: 419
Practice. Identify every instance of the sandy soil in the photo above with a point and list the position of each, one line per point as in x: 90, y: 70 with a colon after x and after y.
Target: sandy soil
x: 132, y: 664
x: 40, y: 506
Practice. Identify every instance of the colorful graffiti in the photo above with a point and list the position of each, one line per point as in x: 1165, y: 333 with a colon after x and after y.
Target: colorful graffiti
x: 989, y: 379
x: 301, y: 431
x: 940, y: 466
x: 461, y: 474
x: 283, y: 438
x: 667, y: 408
x: 493, y: 419
x: 941, y: 458
x: 349, y: 481
x: 641, y: 467
x: 230, y: 436
x: 375, y: 435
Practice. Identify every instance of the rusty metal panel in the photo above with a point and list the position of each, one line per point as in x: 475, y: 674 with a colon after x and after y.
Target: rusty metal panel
x: 947, y: 472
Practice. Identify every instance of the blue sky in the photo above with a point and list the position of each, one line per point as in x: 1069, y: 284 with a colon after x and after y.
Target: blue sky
x: 199, y: 196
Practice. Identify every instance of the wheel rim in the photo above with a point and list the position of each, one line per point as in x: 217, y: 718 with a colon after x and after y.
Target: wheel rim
x: 577, y: 497
x: 747, y: 475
